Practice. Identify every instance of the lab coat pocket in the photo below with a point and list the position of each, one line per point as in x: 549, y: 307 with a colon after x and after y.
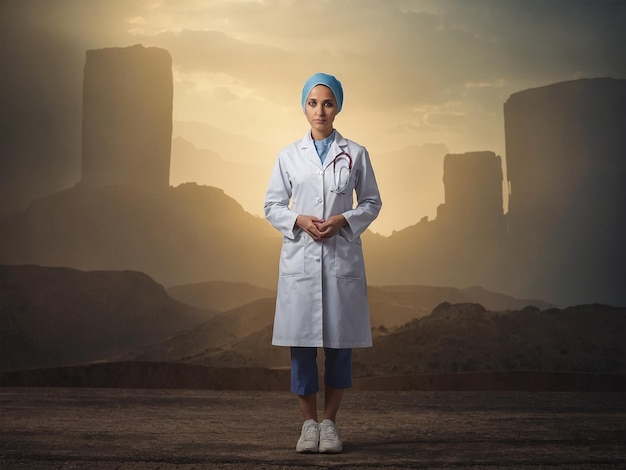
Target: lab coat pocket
x: 343, y: 182
x: 349, y: 258
x: 292, y: 257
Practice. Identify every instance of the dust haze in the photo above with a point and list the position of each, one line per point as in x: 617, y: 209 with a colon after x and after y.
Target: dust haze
x: 508, y: 177
x: 416, y: 74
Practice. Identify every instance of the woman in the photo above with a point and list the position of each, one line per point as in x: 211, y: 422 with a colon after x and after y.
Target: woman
x: 322, y: 292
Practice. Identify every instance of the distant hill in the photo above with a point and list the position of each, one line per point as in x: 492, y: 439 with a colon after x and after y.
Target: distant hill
x: 242, y: 336
x: 180, y: 235
x: 61, y: 316
x: 219, y: 295
x: 453, y: 338
x: 208, y: 156
x: 53, y: 317
x: 392, y: 306
x: 468, y: 338
x: 243, y: 179
x: 207, y: 343
x: 230, y: 147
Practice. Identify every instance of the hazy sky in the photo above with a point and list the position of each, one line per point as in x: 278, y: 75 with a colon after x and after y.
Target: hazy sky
x: 414, y: 71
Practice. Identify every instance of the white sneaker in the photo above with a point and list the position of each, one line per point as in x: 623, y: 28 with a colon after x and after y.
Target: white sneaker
x: 329, y: 438
x: 309, y: 437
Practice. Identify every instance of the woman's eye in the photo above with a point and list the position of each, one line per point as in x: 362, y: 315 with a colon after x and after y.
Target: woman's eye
x: 328, y: 104
x: 312, y: 103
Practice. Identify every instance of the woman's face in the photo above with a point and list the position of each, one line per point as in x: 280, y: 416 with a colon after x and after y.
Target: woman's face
x: 321, y: 109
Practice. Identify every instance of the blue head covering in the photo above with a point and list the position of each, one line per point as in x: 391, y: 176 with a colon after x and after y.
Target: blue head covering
x: 327, y: 80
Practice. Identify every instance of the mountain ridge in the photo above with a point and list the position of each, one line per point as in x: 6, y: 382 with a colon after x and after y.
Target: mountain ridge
x: 178, y: 235
x: 53, y: 316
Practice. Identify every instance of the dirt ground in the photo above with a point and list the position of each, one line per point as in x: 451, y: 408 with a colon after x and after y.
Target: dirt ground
x: 137, y: 429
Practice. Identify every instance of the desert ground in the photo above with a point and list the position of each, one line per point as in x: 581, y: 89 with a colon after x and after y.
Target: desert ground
x: 138, y: 429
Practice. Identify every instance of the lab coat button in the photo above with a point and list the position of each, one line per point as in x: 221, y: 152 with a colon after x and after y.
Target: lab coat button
x: 317, y: 259
x: 318, y: 199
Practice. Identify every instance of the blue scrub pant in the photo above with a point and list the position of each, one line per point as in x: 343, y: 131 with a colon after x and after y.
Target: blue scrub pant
x: 337, y: 369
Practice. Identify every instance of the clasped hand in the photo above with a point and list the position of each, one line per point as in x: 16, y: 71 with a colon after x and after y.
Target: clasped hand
x: 320, y: 228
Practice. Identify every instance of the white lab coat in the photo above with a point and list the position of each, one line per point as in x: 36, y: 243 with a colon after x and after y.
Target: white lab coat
x: 322, y: 290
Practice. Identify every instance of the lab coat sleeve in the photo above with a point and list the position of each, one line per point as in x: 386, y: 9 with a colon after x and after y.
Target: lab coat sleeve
x: 277, y: 199
x: 368, y: 199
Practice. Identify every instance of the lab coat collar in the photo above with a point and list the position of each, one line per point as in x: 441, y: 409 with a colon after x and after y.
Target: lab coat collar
x: 339, y: 145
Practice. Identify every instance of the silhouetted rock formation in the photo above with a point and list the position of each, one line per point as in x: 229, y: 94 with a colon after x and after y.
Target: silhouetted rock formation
x: 127, y: 117
x: 562, y: 240
x: 563, y: 237
x: 566, y: 166
x: 124, y: 214
x: 177, y: 236
x: 463, y: 245
x: 473, y: 194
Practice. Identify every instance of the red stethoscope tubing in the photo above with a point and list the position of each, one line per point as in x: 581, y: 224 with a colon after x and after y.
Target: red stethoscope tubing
x: 343, y: 154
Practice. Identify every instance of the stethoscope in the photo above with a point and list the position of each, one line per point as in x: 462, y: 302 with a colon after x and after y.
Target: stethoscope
x: 341, y: 184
